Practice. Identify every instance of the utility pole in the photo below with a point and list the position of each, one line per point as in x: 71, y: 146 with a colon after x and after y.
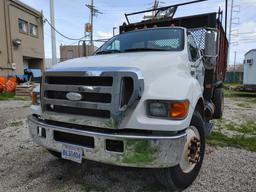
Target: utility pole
x: 114, y: 28
x: 155, y: 6
x: 233, y: 9
x: 230, y: 22
x: 235, y: 67
x: 226, y: 15
x: 93, y: 13
x: 53, y: 35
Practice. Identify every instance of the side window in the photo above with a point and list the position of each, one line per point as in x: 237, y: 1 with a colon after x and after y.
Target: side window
x: 115, y: 45
x: 193, y: 48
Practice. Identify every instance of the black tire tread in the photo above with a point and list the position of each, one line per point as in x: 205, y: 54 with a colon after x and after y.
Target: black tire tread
x: 217, y: 100
x: 172, y: 178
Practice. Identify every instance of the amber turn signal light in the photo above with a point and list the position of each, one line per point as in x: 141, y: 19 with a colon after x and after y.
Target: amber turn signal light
x: 179, y: 110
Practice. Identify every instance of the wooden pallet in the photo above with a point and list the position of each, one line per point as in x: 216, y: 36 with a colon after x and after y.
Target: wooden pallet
x: 24, y: 90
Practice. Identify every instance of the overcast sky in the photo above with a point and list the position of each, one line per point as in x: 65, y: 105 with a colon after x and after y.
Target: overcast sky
x: 72, y: 15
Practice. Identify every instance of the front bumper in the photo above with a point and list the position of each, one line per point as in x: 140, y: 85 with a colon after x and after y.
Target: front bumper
x: 138, y: 150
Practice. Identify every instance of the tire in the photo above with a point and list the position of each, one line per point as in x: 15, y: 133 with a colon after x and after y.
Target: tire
x: 174, y: 178
x: 54, y: 153
x: 218, y: 101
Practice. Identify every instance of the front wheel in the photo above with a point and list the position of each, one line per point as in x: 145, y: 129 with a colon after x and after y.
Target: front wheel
x: 181, y: 176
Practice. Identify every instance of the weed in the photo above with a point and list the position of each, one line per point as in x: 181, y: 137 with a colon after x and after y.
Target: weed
x: 16, y: 123
x: 6, y: 96
x: 238, y: 141
x: 229, y: 93
x: 244, y: 105
x: 246, y: 128
x: 91, y: 188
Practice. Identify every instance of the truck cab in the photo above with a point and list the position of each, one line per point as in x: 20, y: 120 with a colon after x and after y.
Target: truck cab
x: 144, y: 99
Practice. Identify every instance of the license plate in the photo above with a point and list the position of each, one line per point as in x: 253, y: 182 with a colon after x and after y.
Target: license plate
x: 72, y: 153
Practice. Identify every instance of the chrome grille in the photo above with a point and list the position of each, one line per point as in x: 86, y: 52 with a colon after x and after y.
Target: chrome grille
x: 103, y: 94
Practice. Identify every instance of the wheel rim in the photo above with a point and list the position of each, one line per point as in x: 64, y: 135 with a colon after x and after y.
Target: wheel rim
x: 191, y: 152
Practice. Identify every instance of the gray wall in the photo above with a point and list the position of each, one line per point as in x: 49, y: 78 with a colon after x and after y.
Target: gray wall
x: 250, y: 69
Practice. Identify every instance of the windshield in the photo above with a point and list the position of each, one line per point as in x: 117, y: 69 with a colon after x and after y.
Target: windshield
x: 165, y: 39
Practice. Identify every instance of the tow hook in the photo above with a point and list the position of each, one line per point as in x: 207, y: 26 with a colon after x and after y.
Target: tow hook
x: 194, y: 151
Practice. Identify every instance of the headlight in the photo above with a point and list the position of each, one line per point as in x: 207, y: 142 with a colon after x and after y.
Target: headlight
x: 158, y: 109
x: 36, y: 98
x: 176, y: 110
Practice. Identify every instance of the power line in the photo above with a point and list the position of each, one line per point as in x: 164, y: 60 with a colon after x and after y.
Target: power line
x: 57, y: 31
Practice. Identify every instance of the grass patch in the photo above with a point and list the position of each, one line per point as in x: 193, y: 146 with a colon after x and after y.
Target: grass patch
x: 232, y: 84
x: 91, y: 188
x: 231, y: 93
x: 240, y: 141
x: 6, y: 96
x: 16, y: 123
x: 245, y: 129
x: 21, y: 98
x: 244, y: 135
x: 244, y: 105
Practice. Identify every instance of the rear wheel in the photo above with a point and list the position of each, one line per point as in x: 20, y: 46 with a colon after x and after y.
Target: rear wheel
x: 181, y: 176
x: 218, y: 101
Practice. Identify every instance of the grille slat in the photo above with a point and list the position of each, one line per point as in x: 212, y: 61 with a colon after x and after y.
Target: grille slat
x: 75, y: 88
x: 86, y: 81
x: 89, y: 97
x: 75, y: 111
x: 77, y: 104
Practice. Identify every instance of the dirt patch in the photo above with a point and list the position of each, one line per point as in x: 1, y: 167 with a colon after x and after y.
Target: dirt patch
x: 24, y: 166
x: 13, y: 110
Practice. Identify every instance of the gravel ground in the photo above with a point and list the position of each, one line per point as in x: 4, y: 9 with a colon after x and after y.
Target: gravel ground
x: 25, y: 166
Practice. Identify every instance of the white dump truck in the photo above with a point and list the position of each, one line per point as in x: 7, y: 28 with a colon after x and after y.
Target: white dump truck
x: 144, y: 99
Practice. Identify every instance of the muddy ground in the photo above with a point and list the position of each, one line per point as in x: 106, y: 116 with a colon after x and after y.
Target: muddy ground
x: 24, y: 166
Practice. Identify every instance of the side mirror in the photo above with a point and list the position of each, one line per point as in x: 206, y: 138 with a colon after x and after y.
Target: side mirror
x: 210, y: 57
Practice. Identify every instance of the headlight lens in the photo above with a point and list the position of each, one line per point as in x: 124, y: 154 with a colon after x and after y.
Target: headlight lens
x: 158, y: 109
x: 36, y: 98
x: 176, y: 110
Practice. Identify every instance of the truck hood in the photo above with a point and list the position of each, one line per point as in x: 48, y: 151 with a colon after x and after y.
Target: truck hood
x: 151, y: 64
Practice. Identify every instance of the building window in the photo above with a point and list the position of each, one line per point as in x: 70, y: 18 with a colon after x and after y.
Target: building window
x: 249, y: 61
x: 33, y: 30
x: 23, y: 26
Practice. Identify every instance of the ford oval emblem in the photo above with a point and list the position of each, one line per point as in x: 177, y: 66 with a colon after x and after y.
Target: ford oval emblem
x: 74, y: 96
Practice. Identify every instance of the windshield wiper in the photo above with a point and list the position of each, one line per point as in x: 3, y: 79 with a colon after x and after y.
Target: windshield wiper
x: 143, y: 49
x: 108, y: 52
